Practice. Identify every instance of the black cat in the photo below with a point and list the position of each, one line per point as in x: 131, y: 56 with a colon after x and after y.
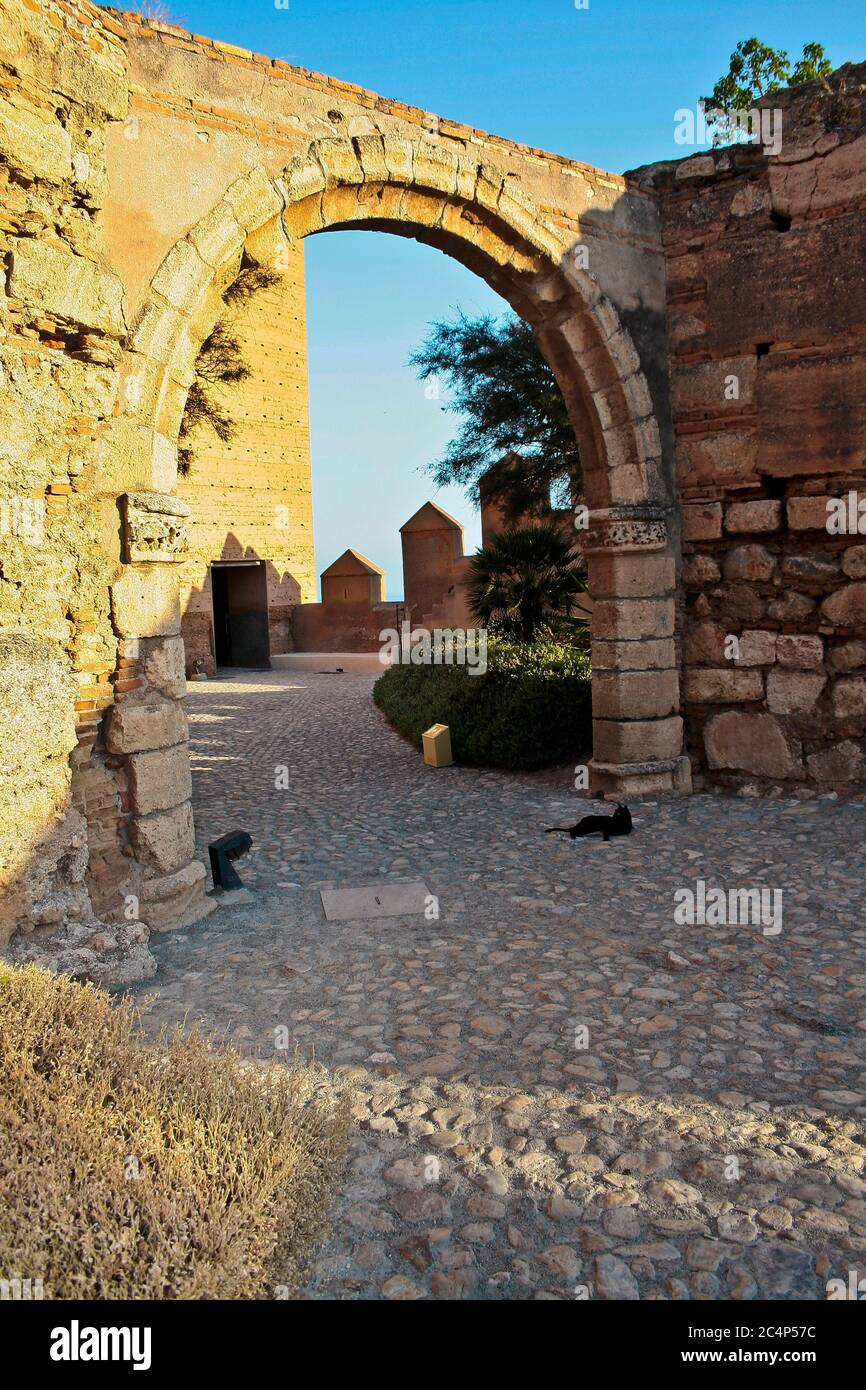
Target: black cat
x: 617, y: 824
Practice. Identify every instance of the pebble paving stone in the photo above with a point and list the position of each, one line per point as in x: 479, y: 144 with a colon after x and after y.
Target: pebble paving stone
x: 707, y: 1141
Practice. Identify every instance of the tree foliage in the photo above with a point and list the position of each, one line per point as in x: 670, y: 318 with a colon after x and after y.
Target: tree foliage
x: 510, y: 404
x: 756, y: 71
x: 525, y: 581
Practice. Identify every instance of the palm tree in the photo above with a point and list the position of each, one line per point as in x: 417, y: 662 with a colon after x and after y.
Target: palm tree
x: 525, y: 579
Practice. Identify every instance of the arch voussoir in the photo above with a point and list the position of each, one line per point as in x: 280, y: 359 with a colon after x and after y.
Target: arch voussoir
x: 339, y: 162
x: 434, y: 168
x: 398, y: 158
x: 157, y: 328
x: 254, y: 199
x: 303, y: 178
x: 218, y: 235
x: 370, y: 150
x: 488, y: 187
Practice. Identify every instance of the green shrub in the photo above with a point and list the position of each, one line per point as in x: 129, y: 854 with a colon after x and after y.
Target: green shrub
x: 532, y: 707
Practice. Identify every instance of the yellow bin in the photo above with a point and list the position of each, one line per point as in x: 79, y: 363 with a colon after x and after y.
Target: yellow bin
x: 437, y: 746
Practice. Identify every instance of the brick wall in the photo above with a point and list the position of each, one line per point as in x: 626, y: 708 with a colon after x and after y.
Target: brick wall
x: 250, y: 497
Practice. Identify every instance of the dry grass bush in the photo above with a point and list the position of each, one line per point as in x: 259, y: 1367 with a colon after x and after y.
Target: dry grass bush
x: 167, y: 1171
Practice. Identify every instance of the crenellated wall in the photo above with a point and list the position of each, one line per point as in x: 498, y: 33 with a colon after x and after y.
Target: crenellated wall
x: 353, y: 613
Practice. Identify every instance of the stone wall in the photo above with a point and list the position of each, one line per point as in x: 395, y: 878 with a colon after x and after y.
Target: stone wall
x: 766, y: 270
x: 61, y: 324
x: 140, y: 163
x: 96, y: 820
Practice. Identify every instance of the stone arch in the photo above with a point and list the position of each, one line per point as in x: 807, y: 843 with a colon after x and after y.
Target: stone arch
x: 471, y: 211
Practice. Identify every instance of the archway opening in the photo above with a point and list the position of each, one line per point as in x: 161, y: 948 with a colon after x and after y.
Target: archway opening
x: 250, y: 465
x: 487, y: 221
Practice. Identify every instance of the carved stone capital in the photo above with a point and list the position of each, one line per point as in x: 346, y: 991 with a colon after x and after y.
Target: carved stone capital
x: 619, y: 530
x: 154, y: 528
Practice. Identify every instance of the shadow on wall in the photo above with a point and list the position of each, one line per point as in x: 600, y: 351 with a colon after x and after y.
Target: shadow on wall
x: 43, y: 838
x: 240, y: 614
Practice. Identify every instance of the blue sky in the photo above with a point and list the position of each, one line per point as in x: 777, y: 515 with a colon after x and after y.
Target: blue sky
x: 600, y: 84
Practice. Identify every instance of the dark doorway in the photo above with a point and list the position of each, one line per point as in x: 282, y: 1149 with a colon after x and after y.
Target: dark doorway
x: 240, y: 613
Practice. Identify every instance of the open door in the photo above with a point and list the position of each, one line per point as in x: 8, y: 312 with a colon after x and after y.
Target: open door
x: 240, y: 613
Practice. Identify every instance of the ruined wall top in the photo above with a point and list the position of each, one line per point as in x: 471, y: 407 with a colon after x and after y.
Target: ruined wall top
x: 805, y: 121
x: 135, y: 30
x: 202, y: 112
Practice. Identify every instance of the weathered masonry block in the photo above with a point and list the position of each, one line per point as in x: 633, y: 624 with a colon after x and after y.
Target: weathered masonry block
x: 146, y: 729
x: 154, y: 528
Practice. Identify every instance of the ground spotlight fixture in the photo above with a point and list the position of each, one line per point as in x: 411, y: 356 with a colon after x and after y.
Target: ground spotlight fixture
x: 222, y: 852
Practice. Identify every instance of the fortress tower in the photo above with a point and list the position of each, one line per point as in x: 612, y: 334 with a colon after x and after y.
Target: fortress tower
x: 250, y: 524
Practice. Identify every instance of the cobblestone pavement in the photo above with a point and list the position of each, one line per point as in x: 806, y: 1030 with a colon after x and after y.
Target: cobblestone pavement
x: 558, y: 1090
